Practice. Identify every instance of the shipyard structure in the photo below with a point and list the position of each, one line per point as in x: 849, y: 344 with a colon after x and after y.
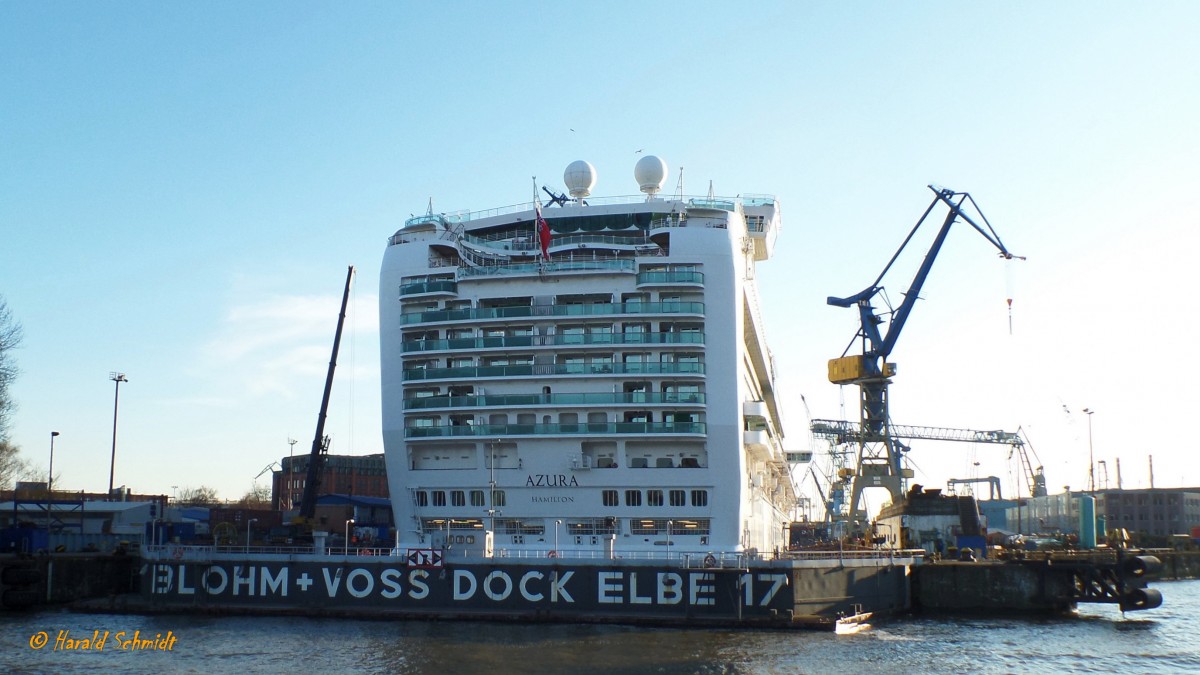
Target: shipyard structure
x: 580, y: 422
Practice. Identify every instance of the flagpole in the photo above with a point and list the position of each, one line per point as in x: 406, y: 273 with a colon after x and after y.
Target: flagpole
x: 536, y: 212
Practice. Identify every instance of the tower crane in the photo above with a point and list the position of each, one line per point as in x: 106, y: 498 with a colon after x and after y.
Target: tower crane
x: 879, y: 450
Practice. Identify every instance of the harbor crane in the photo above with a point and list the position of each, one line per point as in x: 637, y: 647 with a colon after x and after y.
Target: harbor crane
x: 879, y: 450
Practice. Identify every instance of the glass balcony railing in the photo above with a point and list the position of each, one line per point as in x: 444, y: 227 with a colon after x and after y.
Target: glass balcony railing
x: 445, y: 286
x: 512, y: 341
x: 498, y: 430
x: 599, y: 309
x: 601, y: 264
x: 526, y: 370
x: 670, y: 277
x: 507, y: 400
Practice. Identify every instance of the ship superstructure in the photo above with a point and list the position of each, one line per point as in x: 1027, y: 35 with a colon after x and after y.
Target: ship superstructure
x: 591, y: 376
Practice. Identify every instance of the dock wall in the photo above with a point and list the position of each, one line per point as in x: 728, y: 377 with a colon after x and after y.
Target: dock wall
x: 980, y: 587
x: 61, y: 579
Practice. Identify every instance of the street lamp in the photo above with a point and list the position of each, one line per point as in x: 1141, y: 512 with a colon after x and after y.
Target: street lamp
x: 50, y: 478
x: 670, y: 523
x: 557, y: 524
x: 347, y: 546
x: 248, y: 524
x: 1091, y: 461
x: 118, y: 378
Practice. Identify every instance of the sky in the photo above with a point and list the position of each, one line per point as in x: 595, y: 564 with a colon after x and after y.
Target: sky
x: 183, y: 185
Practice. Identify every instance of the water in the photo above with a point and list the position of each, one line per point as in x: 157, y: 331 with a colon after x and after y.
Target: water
x: 1099, y: 640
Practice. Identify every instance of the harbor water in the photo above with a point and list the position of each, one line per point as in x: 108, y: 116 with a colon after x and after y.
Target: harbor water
x: 1099, y: 639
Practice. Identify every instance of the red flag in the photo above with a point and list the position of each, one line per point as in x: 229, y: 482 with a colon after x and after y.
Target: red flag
x: 543, y: 230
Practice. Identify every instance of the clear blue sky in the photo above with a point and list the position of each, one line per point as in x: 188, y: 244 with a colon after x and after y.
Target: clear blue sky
x: 182, y: 186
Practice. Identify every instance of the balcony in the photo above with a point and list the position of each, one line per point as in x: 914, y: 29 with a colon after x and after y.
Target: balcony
x: 577, y: 369
x: 583, y: 428
x: 511, y: 341
x: 513, y: 400
x: 448, y: 286
x: 670, y: 278
x: 758, y: 444
x: 598, y: 309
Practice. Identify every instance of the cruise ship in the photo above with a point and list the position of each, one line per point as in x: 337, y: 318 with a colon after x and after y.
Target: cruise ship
x: 580, y: 423
x: 592, y: 376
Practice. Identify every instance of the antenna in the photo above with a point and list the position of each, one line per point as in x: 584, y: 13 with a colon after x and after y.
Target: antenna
x: 679, y: 186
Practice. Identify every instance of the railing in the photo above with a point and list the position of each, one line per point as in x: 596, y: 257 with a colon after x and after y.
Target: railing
x: 598, y: 309
x: 504, y: 400
x: 446, y: 286
x: 560, y: 339
x: 525, y: 370
x: 555, y: 429
x: 183, y: 553
x: 758, y: 200
x: 596, y: 263
x: 511, y: 241
x: 677, y: 277
x: 448, y: 220
x: 685, y: 557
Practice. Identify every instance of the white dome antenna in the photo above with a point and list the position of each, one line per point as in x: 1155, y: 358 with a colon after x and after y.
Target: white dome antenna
x: 650, y: 173
x: 580, y: 178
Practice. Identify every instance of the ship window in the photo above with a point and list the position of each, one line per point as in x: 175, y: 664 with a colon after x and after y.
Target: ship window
x: 477, y: 498
x: 422, y: 498
x: 609, y: 497
x: 699, y: 497
x: 689, y: 463
x: 458, y: 498
x: 439, y: 497
x: 678, y: 498
x: 637, y: 462
x: 498, y: 498
x: 663, y: 463
x: 605, y: 463
x: 654, y: 497
x: 647, y: 525
x: 633, y: 498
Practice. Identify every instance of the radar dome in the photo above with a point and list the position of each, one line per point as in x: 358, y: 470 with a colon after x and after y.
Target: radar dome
x: 650, y: 173
x: 580, y: 178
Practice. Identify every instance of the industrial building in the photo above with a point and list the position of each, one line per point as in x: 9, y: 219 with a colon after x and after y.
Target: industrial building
x: 357, y: 475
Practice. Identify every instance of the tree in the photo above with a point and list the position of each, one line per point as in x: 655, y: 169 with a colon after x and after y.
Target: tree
x: 10, y: 339
x: 201, y: 496
x: 259, y: 497
x: 12, y: 467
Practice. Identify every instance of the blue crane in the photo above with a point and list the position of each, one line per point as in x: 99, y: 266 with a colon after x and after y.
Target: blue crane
x: 879, y: 449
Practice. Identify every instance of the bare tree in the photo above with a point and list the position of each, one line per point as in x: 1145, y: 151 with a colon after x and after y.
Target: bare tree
x: 200, y: 496
x: 12, y: 467
x: 10, y: 339
x: 259, y: 497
